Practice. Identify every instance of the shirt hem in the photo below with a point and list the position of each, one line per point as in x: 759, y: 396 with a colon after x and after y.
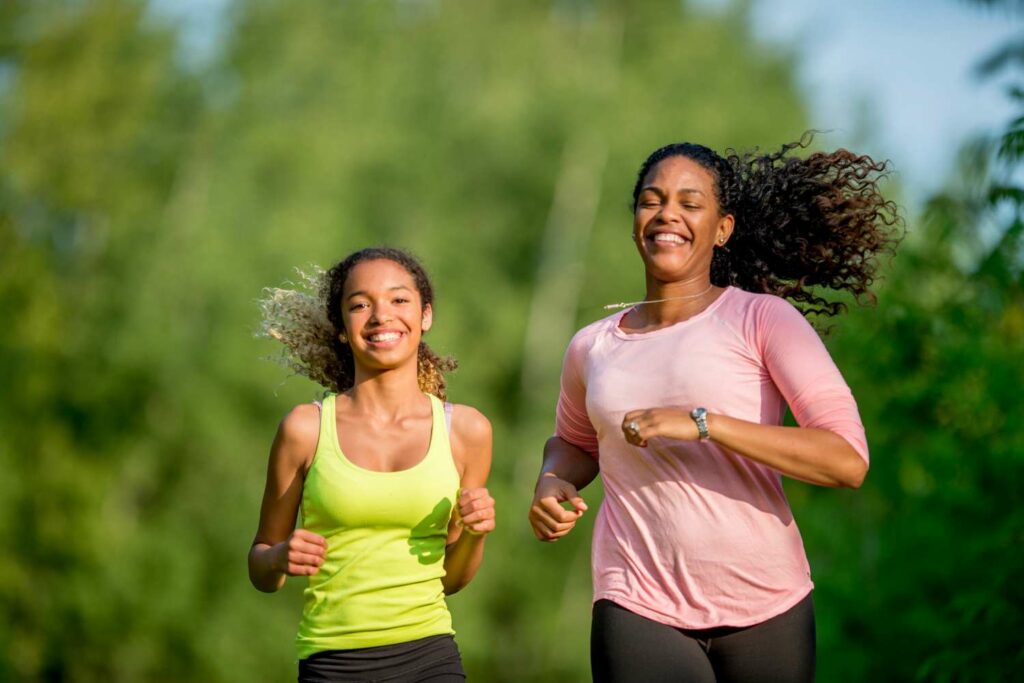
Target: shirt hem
x: 361, y: 641
x: 647, y: 613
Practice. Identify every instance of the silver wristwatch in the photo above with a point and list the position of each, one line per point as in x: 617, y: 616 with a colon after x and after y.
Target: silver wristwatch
x: 700, y: 416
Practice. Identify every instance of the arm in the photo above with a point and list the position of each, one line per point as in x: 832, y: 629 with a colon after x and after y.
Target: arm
x: 828, y: 448
x: 814, y: 455
x: 474, y: 511
x: 566, y: 469
x: 570, y: 457
x: 279, y: 549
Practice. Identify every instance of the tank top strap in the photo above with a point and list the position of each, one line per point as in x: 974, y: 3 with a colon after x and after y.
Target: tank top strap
x: 327, y: 423
x: 440, y: 444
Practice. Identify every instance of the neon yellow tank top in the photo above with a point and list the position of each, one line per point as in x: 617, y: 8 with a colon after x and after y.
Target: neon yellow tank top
x: 381, y: 581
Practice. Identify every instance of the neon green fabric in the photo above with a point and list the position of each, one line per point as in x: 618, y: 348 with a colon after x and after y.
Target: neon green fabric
x: 381, y: 581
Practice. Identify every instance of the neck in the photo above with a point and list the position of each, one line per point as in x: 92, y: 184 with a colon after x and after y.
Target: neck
x: 682, y: 299
x: 389, y: 391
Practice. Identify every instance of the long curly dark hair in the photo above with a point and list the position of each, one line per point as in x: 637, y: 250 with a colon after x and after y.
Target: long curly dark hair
x: 430, y: 366
x: 801, y: 224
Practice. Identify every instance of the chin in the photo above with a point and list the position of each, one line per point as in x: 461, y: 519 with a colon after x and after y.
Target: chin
x: 668, y: 269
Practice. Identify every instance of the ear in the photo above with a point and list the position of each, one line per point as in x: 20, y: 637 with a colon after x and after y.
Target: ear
x: 428, y: 318
x: 724, y: 230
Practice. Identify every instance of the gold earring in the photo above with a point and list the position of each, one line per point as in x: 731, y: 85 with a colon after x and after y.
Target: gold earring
x: 342, y: 338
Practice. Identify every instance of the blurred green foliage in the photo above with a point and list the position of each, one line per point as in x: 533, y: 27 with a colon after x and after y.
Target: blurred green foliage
x: 145, y: 200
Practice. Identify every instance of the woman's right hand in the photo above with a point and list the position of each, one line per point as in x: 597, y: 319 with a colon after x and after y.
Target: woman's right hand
x: 301, y: 554
x: 551, y: 521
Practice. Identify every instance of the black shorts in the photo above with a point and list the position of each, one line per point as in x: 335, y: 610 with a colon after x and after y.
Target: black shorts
x: 434, y: 659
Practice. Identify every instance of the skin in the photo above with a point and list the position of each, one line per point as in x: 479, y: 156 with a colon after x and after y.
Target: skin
x: 384, y: 422
x: 677, y: 225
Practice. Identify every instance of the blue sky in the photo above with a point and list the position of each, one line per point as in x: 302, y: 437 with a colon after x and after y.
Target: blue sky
x: 893, y: 78
x: 907, y: 64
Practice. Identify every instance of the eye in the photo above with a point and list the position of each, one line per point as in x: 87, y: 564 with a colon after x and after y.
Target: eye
x: 648, y: 200
x: 400, y: 300
x: 357, y: 306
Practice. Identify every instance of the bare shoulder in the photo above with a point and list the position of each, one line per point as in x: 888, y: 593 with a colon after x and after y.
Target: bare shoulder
x: 301, y: 423
x: 470, y: 426
x: 471, y: 444
x: 298, y: 434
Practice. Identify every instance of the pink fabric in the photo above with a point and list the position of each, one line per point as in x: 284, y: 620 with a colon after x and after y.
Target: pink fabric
x: 689, y: 533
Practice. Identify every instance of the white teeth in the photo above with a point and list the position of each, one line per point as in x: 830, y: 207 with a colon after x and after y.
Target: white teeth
x: 668, y: 237
x: 384, y: 337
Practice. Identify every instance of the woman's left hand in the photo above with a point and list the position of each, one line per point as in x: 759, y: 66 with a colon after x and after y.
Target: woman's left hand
x: 475, y: 510
x: 640, y: 425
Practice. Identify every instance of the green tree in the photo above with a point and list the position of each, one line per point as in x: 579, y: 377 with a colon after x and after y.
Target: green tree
x: 144, y: 203
x: 923, y: 571
x: 93, y: 120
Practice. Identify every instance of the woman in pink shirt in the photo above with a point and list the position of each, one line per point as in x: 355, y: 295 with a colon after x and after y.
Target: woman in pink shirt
x: 699, y: 570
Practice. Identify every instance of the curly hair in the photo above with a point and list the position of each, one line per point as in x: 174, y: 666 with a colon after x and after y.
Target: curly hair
x: 801, y: 224
x: 308, y: 320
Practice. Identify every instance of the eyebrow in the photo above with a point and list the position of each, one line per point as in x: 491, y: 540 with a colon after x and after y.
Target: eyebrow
x: 659, y: 191
x: 390, y: 289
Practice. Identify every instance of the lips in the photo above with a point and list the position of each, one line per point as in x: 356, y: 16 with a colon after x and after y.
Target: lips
x: 384, y: 338
x: 668, y: 239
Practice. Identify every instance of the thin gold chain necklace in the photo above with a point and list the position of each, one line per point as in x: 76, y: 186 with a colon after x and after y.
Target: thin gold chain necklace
x: 657, y: 301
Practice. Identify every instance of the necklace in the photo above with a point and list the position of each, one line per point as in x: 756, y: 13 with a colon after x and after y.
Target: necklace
x: 657, y: 301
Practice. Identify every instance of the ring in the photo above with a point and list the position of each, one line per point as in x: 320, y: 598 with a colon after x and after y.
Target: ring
x: 633, y: 426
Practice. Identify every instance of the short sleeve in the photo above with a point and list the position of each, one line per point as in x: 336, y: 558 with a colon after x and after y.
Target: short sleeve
x: 803, y: 370
x: 572, y: 424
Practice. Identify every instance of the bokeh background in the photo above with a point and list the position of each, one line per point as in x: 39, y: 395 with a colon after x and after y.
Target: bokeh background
x: 156, y: 173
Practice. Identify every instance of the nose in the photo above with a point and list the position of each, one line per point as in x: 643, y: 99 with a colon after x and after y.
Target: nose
x: 381, y: 314
x: 669, y: 213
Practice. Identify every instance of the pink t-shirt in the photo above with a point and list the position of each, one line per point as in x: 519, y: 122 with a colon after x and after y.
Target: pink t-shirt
x: 691, y: 534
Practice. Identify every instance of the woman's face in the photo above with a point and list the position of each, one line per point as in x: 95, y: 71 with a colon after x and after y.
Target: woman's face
x: 383, y: 313
x: 677, y: 221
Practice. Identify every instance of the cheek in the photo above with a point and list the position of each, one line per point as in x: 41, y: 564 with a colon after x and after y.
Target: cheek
x: 639, y: 220
x: 352, y: 320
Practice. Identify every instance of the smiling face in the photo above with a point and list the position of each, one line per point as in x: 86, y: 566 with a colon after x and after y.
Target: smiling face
x: 677, y: 221
x: 384, y: 316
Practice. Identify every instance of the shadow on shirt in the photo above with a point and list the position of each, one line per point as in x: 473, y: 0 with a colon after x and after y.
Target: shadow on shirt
x: 427, y: 539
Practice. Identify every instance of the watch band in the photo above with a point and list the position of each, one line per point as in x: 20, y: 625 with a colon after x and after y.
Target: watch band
x: 700, y: 416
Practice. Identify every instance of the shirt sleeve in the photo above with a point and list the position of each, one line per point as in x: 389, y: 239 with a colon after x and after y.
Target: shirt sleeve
x: 572, y: 424
x: 803, y: 370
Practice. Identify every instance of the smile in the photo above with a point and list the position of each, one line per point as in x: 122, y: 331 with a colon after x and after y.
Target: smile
x: 668, y: 238
x: 384, y: 337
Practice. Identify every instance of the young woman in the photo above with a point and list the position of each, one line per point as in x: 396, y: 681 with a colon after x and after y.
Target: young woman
x: 699, y: 570
x: 389, y: 478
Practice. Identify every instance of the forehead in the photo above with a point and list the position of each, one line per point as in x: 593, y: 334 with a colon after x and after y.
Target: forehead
x: 378, y: 274
x: 677, y: 172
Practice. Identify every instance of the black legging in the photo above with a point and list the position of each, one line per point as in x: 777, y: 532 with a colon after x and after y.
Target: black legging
x: 625, y: 647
